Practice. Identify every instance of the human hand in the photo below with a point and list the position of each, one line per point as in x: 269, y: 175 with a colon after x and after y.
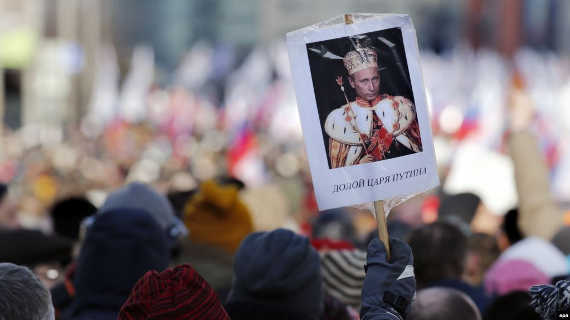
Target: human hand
x: 388, y: 285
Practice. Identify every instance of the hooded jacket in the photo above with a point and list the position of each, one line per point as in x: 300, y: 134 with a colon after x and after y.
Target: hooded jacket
x: 120, y: 247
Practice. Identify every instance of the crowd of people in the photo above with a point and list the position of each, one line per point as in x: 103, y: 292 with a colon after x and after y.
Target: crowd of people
x: 203, y: 253
x: 214, y: 217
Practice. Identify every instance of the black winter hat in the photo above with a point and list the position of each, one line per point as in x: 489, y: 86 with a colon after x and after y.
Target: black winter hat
x: 119, y: 248
x: 279, y: 272
x: 67, y: 215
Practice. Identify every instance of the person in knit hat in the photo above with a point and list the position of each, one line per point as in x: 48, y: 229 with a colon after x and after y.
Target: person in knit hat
x: 551, y: 302
x: 177, y: 293
x: 543, y: 254
x: 142, y: 197
x: 216, y: 216
x: 119, y: 248
x: 277, y: 276
x: 218, y: 221
x: 508, y: 275
x: 343, y: 274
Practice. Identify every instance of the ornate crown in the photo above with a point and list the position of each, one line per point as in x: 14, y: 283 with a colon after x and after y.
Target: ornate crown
x: 359, y: 59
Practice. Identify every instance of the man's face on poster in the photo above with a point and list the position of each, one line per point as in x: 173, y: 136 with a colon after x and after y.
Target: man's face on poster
x: 366, y: 83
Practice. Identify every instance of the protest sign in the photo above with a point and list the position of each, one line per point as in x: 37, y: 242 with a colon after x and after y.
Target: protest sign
x: 363, y: 109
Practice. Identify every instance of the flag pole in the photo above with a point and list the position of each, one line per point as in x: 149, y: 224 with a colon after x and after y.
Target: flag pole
x: 379, y: 204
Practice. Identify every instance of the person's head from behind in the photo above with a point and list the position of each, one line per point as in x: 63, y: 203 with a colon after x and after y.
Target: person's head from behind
x: 443, y: 304
x: 439, y: 253
x: 22, y: 295
x: 469, y: 212
x: 277, y: 275
x: 140, y: 196
x: 512, y: 306
x: 510, y: 274
x: 119, y: 248
x: 334, y: 224
x: 482, y: 251
x: 217, y: 216
x: 459, y: 209
x: 509, y: 233
x: 176, y: 293
x: 67, y: 215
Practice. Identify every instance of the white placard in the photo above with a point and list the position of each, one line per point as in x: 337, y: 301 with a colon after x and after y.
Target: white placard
x: 367, y: 134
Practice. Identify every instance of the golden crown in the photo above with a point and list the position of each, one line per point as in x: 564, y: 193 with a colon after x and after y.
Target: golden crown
x: 360, y: 59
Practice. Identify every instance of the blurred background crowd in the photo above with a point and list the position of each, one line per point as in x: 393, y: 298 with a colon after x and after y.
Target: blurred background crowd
x: 194, y: 100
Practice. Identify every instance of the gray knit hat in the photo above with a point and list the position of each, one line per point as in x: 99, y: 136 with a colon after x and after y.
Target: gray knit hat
x: 140, y: 196
x: 343, y: 274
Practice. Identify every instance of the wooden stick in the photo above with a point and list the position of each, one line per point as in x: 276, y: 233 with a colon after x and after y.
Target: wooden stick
x: 382, y: 226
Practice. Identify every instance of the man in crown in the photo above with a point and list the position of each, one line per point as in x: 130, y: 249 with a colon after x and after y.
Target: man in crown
x: 363, y: 130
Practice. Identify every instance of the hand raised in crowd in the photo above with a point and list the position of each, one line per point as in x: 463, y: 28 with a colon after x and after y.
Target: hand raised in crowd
x: 389, y: 286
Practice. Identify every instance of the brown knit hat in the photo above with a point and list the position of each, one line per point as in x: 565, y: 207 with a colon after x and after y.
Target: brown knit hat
x: 178, y: 293
x: 217, y: 216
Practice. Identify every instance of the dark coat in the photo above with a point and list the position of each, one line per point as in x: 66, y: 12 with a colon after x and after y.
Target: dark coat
x: 120, y: 247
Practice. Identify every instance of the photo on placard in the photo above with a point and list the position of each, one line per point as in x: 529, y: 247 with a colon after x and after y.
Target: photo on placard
x: 364, y: 98
x: 363, y: 109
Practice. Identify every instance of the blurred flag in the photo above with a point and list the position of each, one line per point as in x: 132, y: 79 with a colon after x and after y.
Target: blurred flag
x: 244, y: 161
x: 470, y: 123
x: 195, y: 67
x: 133, y: 99
x: 103, y: 105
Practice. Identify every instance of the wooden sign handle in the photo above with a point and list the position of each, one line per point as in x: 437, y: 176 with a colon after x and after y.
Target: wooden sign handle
x: 382, y: 226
